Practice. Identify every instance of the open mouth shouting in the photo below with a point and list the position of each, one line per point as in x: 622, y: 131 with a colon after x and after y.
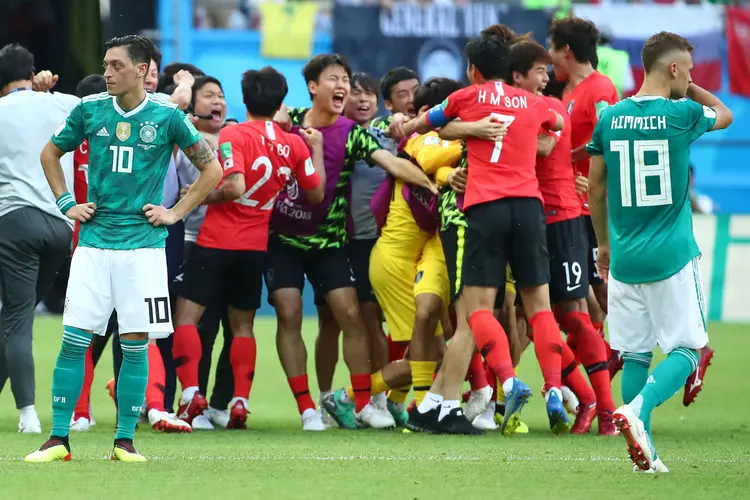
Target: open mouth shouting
x: 339, y: 100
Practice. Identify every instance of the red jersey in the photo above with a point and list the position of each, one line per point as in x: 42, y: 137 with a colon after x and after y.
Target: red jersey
x: 268, y: 157
x: 80, y: 180
x: 502, y: 169
x: 555, y: 172
x: 584, y: 103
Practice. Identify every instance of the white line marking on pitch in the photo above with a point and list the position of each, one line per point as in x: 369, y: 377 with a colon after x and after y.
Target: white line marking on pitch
x: 427, y: 458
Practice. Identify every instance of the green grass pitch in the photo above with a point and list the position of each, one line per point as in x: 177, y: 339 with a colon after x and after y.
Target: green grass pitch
x: 706, y: 446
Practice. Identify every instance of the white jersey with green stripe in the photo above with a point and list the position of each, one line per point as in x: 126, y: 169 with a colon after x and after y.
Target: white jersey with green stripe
x: 129, y: 154
x: 645, y: 142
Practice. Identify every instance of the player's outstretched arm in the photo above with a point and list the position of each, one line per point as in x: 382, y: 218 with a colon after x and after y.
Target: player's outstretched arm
x: 232, y: 188
x: 545, y: 144
x: 50, y: 159
x: 724, y: 115
x: 403, y: 169
x: 488, y: 128
x: 598, y: 207
x: 202, y: 156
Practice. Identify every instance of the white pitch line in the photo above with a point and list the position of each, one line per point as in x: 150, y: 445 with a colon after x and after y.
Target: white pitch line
x: 428, y: 458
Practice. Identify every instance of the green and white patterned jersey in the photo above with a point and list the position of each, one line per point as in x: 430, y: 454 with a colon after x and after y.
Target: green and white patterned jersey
x: 129, y: 153
x: 646, y: 146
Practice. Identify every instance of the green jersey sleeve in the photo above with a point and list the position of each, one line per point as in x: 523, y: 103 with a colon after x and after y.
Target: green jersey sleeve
x: 701, y: 119
x: 596, y: 147
x: 182, y: 131
x: 297, y: 115
x: 72, y: 132
x: 360, y: 144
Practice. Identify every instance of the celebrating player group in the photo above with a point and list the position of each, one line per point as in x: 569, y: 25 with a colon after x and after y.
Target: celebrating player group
x: 471, y: 221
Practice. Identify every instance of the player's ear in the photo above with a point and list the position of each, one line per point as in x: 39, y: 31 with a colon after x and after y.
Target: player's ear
x: 388, y: 105
x: 312, y: 88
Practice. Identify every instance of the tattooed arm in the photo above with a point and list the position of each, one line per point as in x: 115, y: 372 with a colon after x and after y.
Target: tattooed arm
x: 202, y: 156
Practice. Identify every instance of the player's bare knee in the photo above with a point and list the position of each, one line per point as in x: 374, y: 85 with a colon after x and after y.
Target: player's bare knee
x: 535, y: 300
x: 134, y: 336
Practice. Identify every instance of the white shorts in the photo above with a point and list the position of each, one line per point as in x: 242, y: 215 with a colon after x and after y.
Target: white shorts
x: 132, y: 282
x: 670, y: 313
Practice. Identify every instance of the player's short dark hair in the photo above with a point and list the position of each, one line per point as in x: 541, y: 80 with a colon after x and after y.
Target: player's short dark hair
x: 660, y: 44
x: 315, y: 67
x: 555, y: 87
x: 434, y: 91
x: 140, y: 49
x: 16, y: 63
x: 92, y: 84
x: 365, y: 80
x: 263, y: 91
x: 393, y: 77
x: 523, y: 55
x: 504, y: 34
x: 490, y: 55
x: 202, y: 81
x: 157, y: 59
x: 581, y: 35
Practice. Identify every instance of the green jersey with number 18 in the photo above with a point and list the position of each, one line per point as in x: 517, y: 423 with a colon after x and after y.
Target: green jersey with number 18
x: 645, y: 142
x: 129, y: 153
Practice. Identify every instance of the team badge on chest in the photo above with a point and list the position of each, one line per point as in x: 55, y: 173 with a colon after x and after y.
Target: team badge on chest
x: 123, y: 131
x: 148, y: 132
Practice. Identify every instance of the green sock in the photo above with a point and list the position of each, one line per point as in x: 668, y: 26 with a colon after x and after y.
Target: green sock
x: 131, y: 386
x: 667, y: 378
x: 634, y: 374
x: 67, y: 378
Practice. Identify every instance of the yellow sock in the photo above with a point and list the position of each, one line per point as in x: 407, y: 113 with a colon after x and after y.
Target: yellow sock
x: 421, y: 377
x: 500, y: 392
x: 378, y: 384
x: 398, y: 394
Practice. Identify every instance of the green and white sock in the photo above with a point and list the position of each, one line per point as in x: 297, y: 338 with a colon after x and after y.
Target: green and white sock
x: 634, y: 374
x: 67, y: 378
x: 131, y: 386
x: 667, y: 378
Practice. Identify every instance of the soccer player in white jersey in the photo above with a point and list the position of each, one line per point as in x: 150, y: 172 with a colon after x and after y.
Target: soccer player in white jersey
x: 120, y: 262
x: 639, y: 196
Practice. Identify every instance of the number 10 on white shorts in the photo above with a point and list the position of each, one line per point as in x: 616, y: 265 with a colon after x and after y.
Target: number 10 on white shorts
x: 132, y: 282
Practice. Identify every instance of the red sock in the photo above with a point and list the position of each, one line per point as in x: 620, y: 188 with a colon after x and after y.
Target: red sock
x: 84, y: 400
x: 548, y: 347
x: 157, y: 378
x: 574, y: 379
x: 476, y: 376
x: 187, y: 354
x: 396, y: 350
x: 242, y: 356
x: 492, y: 343
x: 589, y: 347
x: 362, y: 385
x: 301, y: 392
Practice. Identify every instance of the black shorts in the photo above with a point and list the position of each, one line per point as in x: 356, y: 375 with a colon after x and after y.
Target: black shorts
x: 358, y: 252
x: 234, y: 277
x: 327, y: 269
x: 509, y: 230
x: 568, y: 260
x: 593, y: 251
x: 453, y: 240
